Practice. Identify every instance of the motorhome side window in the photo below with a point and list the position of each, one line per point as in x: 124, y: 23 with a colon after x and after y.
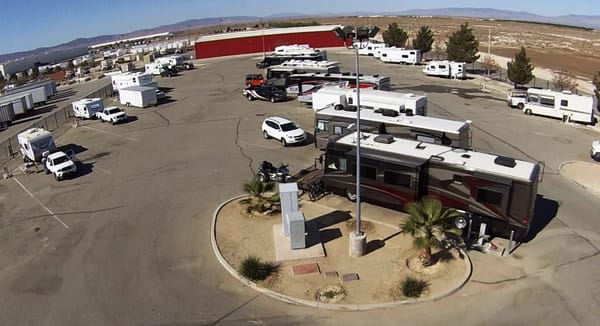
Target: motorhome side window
x: 533, y: 98
x: 488, y: 196
x: 321, y: 125
x: 337, y: 130
x: 367, y: 172
x: 547, y: 100
x: 397, y: 179
x: 564, y: 103
x: 442, y: 66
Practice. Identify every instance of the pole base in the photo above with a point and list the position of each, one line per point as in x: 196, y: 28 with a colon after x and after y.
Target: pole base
x: 358, y: 244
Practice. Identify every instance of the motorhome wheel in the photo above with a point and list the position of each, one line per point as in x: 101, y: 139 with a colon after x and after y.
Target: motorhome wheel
x: 520, y: 106
x: 350, y: 195
x: 528, y: 112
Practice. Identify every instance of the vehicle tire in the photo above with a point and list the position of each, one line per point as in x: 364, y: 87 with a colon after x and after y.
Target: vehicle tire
x: 520, y: 106
x: 266, y: 135
x: 101, y: 120
x: 283, y: 142
x: 528, y: 112
x: 350, y: 195
x: 272, y: 100
x: 56, y: 177
x: 596, y: 157
x: 249, y: 97
x: 262, y: 177
x: 112, y: 122
x: 248, y: 85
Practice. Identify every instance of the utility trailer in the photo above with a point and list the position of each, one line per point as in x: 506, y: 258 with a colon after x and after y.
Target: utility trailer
x: 22, y: 103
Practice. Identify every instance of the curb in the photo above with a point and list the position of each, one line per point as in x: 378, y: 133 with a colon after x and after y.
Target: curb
x: 315, y: 304
x: 566, y: 176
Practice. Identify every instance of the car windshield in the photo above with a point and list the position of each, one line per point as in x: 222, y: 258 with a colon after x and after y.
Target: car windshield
x: 113, y: 111
x: 289, y: 126
x: 60, y: 159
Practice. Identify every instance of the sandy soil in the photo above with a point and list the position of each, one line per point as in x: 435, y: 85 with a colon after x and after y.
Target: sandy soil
x: 380, y: 271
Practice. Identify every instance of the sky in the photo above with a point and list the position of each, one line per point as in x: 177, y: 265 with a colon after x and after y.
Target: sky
x: 30, y: 24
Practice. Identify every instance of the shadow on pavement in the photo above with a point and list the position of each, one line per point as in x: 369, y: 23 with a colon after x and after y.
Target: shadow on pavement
x: 545, y: 210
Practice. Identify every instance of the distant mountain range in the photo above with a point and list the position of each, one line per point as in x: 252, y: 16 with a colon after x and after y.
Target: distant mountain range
x: 587, y: 21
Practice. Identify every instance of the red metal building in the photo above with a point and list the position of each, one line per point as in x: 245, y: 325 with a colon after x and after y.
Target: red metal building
x: 259, y: 41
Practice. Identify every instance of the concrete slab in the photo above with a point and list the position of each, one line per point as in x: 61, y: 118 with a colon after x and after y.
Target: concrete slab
x: 350, y: 277
x: 304, y: 269
x: 284, y: 252
x: 333, y: 274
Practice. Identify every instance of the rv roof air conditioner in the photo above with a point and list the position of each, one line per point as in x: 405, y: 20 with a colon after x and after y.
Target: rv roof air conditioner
x: 384, y: 139
x: 437, y: 158
x: 505, y: 161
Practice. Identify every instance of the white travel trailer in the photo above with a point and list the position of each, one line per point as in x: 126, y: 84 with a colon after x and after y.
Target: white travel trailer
x: 34, y: 142
x: 370, y: 48
x: 445, y: 68
x: 155, y: 68
x: 170, y: 61
x: 121, y: 81
x: 87, y: 108
x: 563, y: 105
x: 138, y: 96
x: 333, y: 96
x: 400, y: 55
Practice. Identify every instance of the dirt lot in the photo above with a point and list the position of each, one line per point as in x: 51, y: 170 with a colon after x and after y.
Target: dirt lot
x: 574, y: 50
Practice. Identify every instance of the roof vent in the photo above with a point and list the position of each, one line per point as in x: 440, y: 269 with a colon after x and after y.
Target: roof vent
x: 384, y: 139
x: 505, y: 161
x: 465, y: 156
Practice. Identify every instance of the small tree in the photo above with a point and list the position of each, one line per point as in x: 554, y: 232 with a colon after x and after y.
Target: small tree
x: 35, y: 72
x: 520, y: 70
x: 462, y: 45
x: 424, y: 39
x: 395, y: 36
x: 429, y: 223
x: 562, y: 80
x: 489, y: 64
x: 70, y: 65
x: 258, y: 202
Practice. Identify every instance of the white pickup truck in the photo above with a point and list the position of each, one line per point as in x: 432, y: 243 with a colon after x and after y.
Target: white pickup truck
x: 112, y: 114
x: 60, y: 164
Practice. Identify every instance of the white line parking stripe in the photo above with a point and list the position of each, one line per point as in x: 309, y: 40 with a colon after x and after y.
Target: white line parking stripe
x: 109, y: 133
x: 40, y: 203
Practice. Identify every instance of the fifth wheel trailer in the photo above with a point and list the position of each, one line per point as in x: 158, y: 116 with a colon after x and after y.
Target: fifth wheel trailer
x: 138, y: 96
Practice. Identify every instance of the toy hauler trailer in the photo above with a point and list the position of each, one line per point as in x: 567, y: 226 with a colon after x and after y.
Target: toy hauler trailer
x: 22, y: 103
x: 121, y: 81
x: 400, y: 55
x: 445, y: 68
x: 7, y: 115
x: 562, y: 105
x: 330, y: 123
x: 496, y: 190
x: 407, y: 103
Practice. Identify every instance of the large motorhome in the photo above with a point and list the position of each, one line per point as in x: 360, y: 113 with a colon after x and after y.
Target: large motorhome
x: 87, y: 108
x: 132, y: 79
x: 445, y: 68
x: 295, y: 50
x: 400, y: 55
x: 34, y: 142
x: 496, y: 190
x: 563, y: 105
x: 333, y: 96
x: 330, y: 123
x: 301, y: 83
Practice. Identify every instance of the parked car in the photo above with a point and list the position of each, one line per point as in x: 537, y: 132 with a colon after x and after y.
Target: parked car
x: 254, y: 80
x: 595, y: 151
x: 284, y: 130
x: 265, y: 93
x: 60, y: 165
x: 112, y: 114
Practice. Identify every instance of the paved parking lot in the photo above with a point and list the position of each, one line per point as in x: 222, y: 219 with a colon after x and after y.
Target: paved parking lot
x: 127, y: 240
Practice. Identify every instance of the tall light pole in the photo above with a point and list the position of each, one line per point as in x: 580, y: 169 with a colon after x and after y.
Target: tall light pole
x: 358, y: 240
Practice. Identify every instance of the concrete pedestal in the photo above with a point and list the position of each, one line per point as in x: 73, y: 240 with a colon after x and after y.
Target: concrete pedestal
x: 358, y: 244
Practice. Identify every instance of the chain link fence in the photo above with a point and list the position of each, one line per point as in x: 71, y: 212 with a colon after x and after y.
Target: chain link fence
x: 56, y: 122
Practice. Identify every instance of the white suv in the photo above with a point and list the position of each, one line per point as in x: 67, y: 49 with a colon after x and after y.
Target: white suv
x: 284, y: 130
x: 595, y: 151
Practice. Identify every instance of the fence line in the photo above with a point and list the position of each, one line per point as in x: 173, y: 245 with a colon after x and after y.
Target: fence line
x: 56, y: 122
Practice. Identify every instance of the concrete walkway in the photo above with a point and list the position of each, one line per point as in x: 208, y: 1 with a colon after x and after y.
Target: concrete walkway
x: 584, y: 174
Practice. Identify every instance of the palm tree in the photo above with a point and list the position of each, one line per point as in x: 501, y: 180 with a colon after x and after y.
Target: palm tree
x: 429, y: 223
x: 258, y: 202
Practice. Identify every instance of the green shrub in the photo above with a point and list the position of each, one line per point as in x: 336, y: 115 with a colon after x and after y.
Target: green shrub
x: 254, y: 269
x: 413, y: 287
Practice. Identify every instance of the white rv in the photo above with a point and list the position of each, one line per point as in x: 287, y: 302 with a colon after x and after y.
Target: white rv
x: 445, y: 68
x: 171, y: 61
x: 400, y: 55
x: 155, y: 68
x: 295, y: 50
x: 333, y: 96
x: 370, y: 48
x: 87, y: 108
x: 34, y: 142
x: 132, y: 79
x: 138, y: 96
x: 563, y: 105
